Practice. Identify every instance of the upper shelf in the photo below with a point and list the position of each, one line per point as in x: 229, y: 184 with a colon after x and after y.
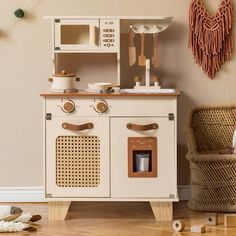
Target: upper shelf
x: 140, y: 24
x: 107, y: 17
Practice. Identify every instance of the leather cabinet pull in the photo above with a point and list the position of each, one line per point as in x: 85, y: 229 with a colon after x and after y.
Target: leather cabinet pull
x: 77, y: 127
x: 136, y: 127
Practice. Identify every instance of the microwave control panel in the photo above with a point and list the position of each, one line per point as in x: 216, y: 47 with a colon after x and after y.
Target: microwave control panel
x: 110, y: 34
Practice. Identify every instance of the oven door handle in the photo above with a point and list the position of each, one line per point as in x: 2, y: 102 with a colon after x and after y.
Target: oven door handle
x: 77, y: 127
x: 136, y: 127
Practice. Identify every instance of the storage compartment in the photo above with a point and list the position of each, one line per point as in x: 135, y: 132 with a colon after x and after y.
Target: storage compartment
x: 89, y: 67
x: 141, y: 156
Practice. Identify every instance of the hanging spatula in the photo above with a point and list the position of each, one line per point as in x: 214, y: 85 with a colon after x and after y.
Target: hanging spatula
x: 155, y: 58
x: 142, y: 58
x: 132, y: 49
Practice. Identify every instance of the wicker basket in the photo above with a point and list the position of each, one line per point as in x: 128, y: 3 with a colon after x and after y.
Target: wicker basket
x: 209, y: 131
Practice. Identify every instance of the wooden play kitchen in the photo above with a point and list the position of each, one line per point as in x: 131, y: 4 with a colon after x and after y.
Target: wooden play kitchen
x: 103, y: 144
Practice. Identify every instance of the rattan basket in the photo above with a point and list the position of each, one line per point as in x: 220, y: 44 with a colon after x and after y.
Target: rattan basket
x: 209, y: 132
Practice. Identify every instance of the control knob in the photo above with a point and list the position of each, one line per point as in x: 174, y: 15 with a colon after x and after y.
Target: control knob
x: 68, y: 106
x: 101, y: 106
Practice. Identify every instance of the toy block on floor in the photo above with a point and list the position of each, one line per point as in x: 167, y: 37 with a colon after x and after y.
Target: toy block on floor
x: 230, y: 220
x: 211, y: 219
x: 198, y: 229
x: 178, y: 225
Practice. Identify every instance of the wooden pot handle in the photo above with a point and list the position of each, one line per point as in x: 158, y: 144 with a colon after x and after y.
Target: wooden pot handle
x: 142, y: 127
x: 77, y: 127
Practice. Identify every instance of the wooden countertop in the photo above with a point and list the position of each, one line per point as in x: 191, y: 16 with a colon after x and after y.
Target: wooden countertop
x: 85, y: 94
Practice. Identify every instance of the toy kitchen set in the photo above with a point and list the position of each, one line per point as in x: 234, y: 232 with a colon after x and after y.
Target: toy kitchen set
x: 106, y: 140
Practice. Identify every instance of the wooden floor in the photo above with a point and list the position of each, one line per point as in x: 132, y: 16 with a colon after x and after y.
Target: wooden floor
x: 117, y: 219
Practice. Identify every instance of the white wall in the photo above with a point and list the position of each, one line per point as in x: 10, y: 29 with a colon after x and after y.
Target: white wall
x: 25, y: 62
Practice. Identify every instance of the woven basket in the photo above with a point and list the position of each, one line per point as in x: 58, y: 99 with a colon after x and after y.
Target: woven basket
x: 209, y: 132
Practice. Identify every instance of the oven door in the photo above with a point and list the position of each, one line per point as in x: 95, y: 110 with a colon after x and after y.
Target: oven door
x: 143, y: 160
x: 77, y: 157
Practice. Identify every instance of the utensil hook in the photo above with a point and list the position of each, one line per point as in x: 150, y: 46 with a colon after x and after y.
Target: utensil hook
x: 131, y: 27
x: 144, y: 29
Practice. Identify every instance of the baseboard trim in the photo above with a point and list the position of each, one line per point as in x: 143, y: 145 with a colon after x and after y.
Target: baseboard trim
x: 184, y: 192
x: 22, y: 194
x: 36, y: 194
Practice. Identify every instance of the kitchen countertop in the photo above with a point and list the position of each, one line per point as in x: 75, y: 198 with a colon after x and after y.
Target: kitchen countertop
x: 86, y: 94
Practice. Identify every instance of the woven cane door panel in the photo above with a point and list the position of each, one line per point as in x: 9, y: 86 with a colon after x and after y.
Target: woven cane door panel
x: 77, y: 161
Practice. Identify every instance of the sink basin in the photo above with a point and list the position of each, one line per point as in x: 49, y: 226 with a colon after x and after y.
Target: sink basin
x: 165, y: 90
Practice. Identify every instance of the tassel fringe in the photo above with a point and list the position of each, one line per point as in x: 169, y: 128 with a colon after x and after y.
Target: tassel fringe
x: 211, y: 37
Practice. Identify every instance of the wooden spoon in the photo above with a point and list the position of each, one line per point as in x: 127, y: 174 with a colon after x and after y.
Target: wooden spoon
x: 155, y: 58
x: 132, y: 49
x: 142, y: 58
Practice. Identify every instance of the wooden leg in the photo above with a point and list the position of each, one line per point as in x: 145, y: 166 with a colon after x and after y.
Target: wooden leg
x: 57, y: 210
x: 162, y: 211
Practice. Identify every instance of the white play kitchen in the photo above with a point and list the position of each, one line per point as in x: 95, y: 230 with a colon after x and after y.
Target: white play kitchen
x: 110, y: 129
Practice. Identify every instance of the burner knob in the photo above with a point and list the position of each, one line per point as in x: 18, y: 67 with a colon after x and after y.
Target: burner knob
x: 68, y: 106
x: 101, y: 106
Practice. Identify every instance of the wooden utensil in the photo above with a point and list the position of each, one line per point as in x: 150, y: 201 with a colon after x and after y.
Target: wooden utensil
x: 155, y: 58
x: 142, y: 58
x: 132, y: 49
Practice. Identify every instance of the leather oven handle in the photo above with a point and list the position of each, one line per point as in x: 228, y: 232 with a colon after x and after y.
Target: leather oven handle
x: 77, y: 127
x: 142, y: 127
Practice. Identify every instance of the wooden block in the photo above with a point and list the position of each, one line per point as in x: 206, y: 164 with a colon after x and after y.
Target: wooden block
x: 198, y: 229
x: 211, y: 219
x: 230, y: 220
x: 178, y: 225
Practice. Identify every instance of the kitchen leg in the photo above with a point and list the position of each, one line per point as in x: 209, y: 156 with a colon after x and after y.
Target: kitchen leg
x: 57, y: 210
x: 162, y: 211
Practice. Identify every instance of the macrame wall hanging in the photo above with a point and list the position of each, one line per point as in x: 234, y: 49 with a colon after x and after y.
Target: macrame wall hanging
x: 210, y: 36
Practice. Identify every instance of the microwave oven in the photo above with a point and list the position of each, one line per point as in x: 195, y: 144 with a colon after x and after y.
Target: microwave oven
x: 86, y: 34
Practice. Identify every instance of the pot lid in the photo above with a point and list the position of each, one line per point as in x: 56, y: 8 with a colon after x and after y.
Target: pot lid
x: 64, y: 74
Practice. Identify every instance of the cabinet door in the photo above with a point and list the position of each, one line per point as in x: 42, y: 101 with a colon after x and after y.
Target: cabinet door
x: 141, y: 182
x: 80, y: 34
x: 77, y: 162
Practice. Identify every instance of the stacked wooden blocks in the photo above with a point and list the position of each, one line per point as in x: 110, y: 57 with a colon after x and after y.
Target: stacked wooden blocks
x: 211, y: 219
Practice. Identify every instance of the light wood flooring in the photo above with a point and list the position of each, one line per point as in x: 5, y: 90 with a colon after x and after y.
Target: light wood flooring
x: 117, y: 219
